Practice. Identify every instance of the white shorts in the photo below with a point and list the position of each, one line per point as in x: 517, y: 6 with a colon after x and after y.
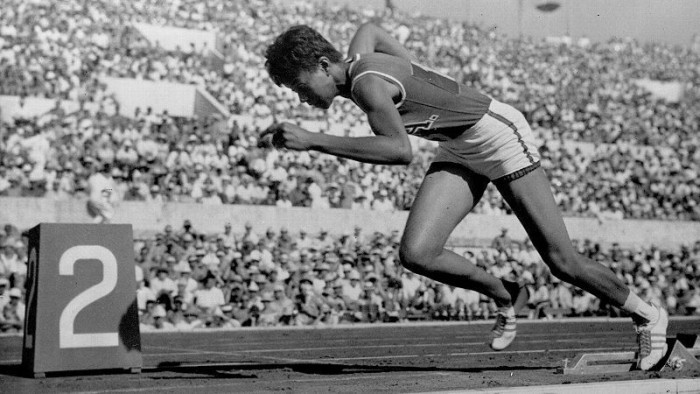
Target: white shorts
x: 500, y: 146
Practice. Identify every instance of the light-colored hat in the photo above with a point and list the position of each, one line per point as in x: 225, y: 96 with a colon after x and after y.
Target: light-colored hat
x: 332, y: 258
x: 182, y: 267
x: 260, y: 278
x: 159, y: 311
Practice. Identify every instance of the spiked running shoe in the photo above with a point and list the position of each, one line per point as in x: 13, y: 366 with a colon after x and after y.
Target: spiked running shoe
x: 504, y: 329
x: 651, y: 338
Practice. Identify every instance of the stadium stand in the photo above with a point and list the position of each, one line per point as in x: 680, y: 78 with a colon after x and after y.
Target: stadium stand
x: 599, y: 103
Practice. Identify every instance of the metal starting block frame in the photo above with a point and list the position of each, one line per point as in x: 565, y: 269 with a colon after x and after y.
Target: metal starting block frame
x: 682, y: 355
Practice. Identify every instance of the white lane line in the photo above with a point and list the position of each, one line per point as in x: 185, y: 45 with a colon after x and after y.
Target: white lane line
x: 563, y: 334
x: 414, y: 345
x: 461, y: 354
x: 306, y: 349
x: 224, y: 341
x: 596, y: 349
x: 472, y: 353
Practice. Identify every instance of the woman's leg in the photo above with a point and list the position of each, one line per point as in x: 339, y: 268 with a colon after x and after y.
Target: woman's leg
x: 531, y: 199
x: 448, y: 193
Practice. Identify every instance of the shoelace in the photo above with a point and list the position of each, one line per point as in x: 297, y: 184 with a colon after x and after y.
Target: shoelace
x: 500, y: 325
x: 644, y: 340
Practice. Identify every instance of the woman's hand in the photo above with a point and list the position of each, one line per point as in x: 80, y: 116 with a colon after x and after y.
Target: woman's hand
x: 287, y: 135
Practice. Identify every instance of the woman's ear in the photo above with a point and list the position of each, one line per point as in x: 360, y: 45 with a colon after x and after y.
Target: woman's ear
x: 325, y: 64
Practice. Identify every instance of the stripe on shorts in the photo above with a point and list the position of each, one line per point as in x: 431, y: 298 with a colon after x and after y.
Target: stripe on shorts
x: 510, y: 124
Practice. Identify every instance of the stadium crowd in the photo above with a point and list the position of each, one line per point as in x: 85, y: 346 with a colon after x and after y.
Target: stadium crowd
x: 570, y: 91
x: 188, y: 280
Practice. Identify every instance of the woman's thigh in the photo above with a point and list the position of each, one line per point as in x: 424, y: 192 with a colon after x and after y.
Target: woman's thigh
x: 448, y: 192
x: 531, y: 199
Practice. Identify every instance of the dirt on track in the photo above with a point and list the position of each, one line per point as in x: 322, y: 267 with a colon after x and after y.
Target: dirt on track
x: 377, y: 358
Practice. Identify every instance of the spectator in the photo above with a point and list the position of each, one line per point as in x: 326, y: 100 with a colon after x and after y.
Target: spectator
x: 540, y: 299
x: 12, y: 319
x: 371, y: 304
x: 271, y: 314
x: 308, y: 305
x: 4, y: 295
x: 184, y: 318
x: 159, y: 321
x: 9, y: 260
x: 692, y: 305
x: 382, y: 202
x: 502, y: 243
x: 584, y: 303
x: 561, y: 297
x: 283, y: 304
x: 144, y: 295
x: 101, y: 189
x: 210, y: 298
x: 163, y: 286
x: 352, y: 289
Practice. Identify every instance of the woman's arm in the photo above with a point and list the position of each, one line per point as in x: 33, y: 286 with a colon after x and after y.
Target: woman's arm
x: 390, y: 145
x: 370, y: 38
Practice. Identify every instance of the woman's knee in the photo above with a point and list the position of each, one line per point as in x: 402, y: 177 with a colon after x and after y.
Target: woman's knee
x: 564, y: 265
x: 416, y: 256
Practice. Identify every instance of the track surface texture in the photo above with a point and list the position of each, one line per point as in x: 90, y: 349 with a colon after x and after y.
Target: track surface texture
x: 357, y: 359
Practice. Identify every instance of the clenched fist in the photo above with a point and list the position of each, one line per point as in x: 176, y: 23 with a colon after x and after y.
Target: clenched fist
x: 286, y: 135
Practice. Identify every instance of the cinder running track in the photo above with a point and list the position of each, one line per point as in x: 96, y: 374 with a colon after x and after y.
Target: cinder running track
x: 368, y: 358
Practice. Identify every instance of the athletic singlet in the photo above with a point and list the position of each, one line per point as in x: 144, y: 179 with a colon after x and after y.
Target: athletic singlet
x: 432, y: 106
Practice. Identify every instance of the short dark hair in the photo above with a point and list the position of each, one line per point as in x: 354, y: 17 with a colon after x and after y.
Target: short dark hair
x: 297, y: 49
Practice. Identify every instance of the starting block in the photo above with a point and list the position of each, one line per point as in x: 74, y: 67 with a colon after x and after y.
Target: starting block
x: 691, y: 342
x: 682, y: 355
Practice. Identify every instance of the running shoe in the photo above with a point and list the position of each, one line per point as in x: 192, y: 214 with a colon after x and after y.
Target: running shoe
x: 651, y: 338
x: 503, y: 331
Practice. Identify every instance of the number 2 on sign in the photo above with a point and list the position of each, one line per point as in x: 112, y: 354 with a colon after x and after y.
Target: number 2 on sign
x: 67, y: 336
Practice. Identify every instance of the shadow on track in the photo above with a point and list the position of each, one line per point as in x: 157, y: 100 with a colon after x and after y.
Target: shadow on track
x: 312, y: 368
x: 17, y: 371
x: 13, y: 370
